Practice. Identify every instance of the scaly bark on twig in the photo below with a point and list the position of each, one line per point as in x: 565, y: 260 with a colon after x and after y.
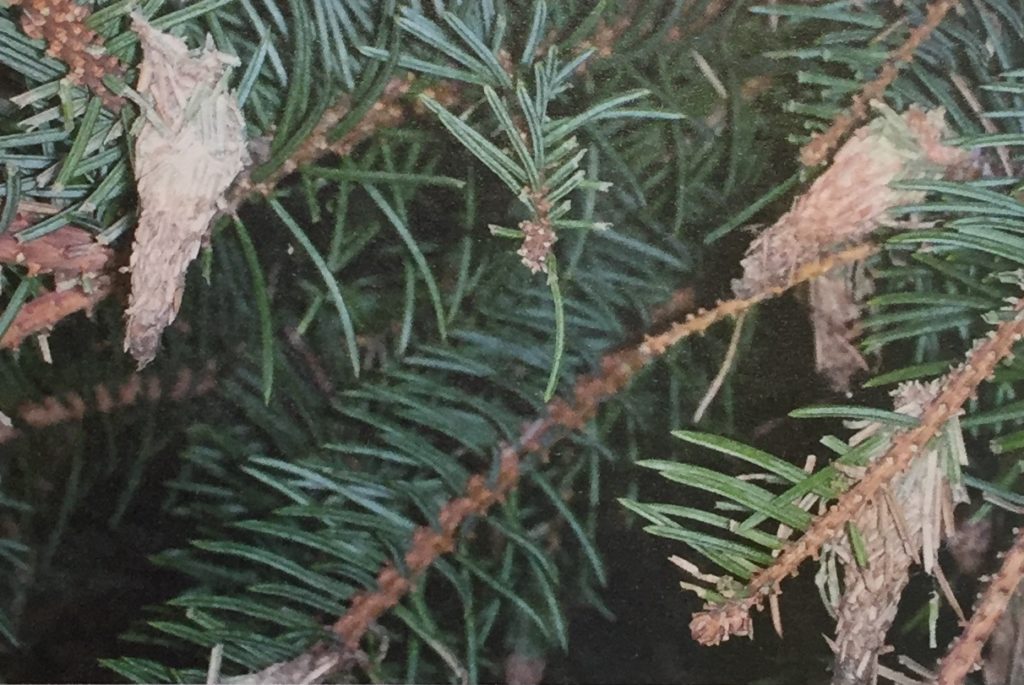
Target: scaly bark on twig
x: 618, y: 369
x: 62, y: 24
x: 717, y: 622
x: 822, y: 144
x: 72, y: 256
x: 965, y: 652
x: 104, y: 398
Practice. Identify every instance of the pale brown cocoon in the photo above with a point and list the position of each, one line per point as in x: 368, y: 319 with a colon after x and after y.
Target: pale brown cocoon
x: 844, y: 206
x: 189, y: 150
x: 850, y: 200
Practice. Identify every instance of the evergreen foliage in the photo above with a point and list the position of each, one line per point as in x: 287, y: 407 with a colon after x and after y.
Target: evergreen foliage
x: 457, y: 212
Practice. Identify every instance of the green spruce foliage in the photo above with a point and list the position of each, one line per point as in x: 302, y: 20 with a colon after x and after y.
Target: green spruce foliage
x: 380, y: 323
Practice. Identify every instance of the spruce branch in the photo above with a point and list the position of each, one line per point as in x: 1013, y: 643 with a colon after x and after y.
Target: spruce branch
x: 388, y: 111
x: 705, y: 318
x: 63, y: 25
x: 903, y: 527
x: 965, y: 652
x: 429, y: 543
x: 717, y: 622
x: 822, y: 144
x: 332, y: 135
x: 47, y: 310
x: 590, y: 392
x: 73, y: 256
x: 105, y: 398
x: 69, y: 251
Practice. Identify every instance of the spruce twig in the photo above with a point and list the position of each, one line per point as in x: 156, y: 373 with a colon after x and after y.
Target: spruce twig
x: 47, y: 310
x: 822, y: 144
x: 68, y: 250
x: 388, y: 111
x: 965, y: 651
x: 705, y: 318
x: 88, y: 63
x: 717, y: 622
x: 70, y: 253
x: 62, y: 24
x: 429, y: 543
x: 618, y: 369
x: 105, y: 398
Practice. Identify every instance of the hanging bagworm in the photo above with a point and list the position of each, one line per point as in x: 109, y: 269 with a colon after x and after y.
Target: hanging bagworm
x: 190, y: 148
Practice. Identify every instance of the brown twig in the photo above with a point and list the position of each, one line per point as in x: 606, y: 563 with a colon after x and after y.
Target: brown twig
x: 538, y: 233
x: 428, y: 543
x: 822, y: 144
x: 617, y: 370
x: 966, y: 649
x: 62, y: 24
x: 56, y: 20
x: 703, y: 319
x: 104, y: 399
x: 390, y: 109
x: 68, y: 251
x: 45, y: 311
x: 717, y: 622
